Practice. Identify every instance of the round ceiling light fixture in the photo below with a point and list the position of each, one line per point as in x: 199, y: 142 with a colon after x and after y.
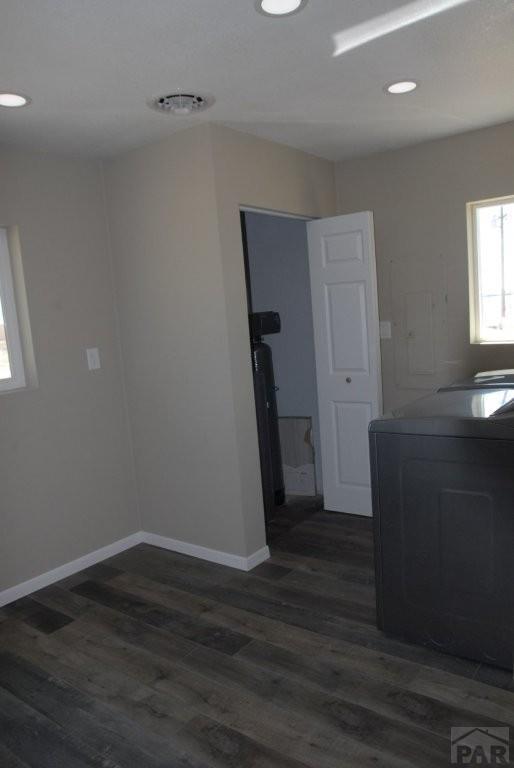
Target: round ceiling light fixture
x: 11, y: 99
x: 280, y: 7
x: 180, y: 104
x: 400, y: 87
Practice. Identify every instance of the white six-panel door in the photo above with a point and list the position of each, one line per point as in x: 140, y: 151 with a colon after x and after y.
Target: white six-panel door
x: 347, y: 344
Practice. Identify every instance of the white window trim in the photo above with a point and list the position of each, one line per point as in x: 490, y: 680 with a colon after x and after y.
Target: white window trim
x: 474, y: 299
x: 12, y: 327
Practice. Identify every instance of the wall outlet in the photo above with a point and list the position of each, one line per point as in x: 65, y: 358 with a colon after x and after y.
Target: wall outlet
x: 385, y: 329
x: 93, y: 359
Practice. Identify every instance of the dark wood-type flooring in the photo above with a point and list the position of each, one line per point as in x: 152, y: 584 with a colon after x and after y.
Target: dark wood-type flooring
x: 156, y: 660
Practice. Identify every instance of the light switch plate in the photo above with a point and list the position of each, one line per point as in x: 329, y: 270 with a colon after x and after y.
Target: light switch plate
x: 93, y: 359
x: 385, y: 329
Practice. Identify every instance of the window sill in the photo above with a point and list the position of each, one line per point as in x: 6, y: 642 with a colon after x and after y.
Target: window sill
x: 27, y: 387
x: 492, y: 343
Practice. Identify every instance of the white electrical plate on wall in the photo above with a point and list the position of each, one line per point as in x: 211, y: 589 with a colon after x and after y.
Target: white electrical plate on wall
x: 93, y: 359
x: 385, y: 329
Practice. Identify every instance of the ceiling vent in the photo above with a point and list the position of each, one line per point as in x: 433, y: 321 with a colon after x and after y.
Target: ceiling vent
x: 181, y: 103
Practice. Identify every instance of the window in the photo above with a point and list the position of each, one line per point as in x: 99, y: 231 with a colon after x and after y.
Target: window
x: 491, y: 259
x: 12, y: 374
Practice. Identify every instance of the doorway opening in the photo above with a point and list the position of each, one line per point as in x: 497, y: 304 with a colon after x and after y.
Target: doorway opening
x: 284, y: 368
x: 320, y: 276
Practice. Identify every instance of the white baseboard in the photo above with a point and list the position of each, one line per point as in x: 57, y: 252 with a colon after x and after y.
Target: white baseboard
x: 257, y: 558
x: 141, y: 537
x: 213, y: 555
x: 68, y: 569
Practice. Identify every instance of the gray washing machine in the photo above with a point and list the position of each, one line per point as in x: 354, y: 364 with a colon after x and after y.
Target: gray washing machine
x: 443, y: 506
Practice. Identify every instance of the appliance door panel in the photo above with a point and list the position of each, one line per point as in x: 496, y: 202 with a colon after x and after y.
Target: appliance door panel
x: 445, y: 527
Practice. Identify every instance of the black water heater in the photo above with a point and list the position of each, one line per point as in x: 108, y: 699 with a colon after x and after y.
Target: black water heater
x: 262, y: 324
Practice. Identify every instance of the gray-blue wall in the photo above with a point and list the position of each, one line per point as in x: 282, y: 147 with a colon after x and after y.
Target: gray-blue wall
x: 279, y: 271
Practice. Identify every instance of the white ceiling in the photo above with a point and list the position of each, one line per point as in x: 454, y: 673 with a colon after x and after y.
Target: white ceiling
x: 90, y: 65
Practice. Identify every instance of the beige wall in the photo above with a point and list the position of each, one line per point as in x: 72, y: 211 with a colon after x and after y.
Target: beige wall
x: 418, y: 196
x: 66, y: 477
x: 164, y: 234
x: 176, y: 238
x: 262, y: 174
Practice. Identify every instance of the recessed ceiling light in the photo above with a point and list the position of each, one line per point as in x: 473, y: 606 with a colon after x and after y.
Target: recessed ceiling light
x: 280, y: 7
x: 13, y: 100
x: 402, y: 86
x: 180, y: 104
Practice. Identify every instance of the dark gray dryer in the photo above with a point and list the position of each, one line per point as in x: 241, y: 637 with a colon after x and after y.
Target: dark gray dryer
x: 443, y: 505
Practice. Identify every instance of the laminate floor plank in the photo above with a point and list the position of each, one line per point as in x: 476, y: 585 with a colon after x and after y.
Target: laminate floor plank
x: 41, y: 743
x: 271, y: 571
x: 61, y: 599
x: 244, y: 622
x: 363, y: 574
x: 155, y: 615
x: 151, y: 709
x: 107, y: 624
x: 104, y: 729
x: 182, y: 565
x: 325, y: 586
x: 338, y: 659
x: 342, y: 715
x: 341, y: 521
x: 202, y: 737
x: 223, y: 747
x: 98, y: 572
x: 246, y: 708
x: 106, y: 682
x: 327, y: 597
x: 254, y: 625
x: 323, y: 547
x: 39, y: 616
x: 316, y: 603
x: 10, y: 760
x: 146, y: 563
x: 292, y: 513
x: 350, y: 538
x: 253, y: 681
x: 155, y: 659
x: 250, y: 680
x: 393, y: 701
x: 348, y: 629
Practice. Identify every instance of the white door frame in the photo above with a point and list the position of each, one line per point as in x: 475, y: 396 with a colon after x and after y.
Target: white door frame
x: 270, y: 212
x: 375, y: 319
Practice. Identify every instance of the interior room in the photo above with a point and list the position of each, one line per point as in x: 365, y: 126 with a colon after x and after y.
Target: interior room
x: 256, y: 383
x: 277, y: 275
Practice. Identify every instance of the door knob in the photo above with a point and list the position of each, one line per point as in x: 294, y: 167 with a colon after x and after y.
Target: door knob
x: 348, y: 379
